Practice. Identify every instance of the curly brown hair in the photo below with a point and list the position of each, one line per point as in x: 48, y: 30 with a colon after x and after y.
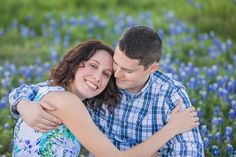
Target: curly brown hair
x: 65, y: 71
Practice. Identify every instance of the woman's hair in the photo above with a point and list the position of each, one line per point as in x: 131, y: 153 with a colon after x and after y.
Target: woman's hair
x: 65, y: 71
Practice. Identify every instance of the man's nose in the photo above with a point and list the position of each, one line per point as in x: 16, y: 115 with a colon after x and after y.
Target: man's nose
x: 118, y: 72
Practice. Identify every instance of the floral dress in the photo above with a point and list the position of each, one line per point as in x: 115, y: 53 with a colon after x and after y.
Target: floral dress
x: 54, y: 143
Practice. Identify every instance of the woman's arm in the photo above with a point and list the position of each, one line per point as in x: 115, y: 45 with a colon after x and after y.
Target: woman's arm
x: 75, y: 116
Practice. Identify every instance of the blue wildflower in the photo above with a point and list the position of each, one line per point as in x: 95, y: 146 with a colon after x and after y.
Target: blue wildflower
x: 217, y: 110
x: 206, y: 142
x: 215, y: 150
x: 230, y: 149
x: 6, y: 126
x: 231, y: 114
x: 1, y: 70
x: 228, y: 133
x: 204, y: 130
x: 218, y: 136
x: 54, y: 56
x: 2, y: 104
x: 1, y: 31
x: 199, y: 113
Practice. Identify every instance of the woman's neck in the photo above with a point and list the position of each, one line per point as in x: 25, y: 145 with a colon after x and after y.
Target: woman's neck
x: 71, y: 88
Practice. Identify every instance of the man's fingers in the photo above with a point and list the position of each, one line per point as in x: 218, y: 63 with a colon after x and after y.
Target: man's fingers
x: 51, y: 118
x: 47, y: 106
x: 48, y: 122
x: 39, y: 129
x: 43, y: 127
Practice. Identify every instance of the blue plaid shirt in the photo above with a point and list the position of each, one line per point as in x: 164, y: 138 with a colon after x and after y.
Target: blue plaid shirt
x: 138, y: 116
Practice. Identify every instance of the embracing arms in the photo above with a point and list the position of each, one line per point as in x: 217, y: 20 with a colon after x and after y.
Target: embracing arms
x: 75, y: 116
x: 38, y: 119
x: 33, y: 113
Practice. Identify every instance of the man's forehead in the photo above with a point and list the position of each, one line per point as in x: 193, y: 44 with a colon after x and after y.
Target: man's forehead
x: 125, y: 62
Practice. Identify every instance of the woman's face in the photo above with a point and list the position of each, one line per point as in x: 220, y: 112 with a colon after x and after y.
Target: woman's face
x: 92, y: 78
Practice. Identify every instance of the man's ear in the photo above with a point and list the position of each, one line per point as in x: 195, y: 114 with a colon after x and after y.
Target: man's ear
x: 154, y: 67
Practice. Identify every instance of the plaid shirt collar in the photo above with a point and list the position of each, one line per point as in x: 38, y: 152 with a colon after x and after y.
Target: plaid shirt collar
x: 141, y: 92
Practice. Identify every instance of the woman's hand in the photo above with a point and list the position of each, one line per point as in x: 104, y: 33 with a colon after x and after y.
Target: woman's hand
x: 182, y: 121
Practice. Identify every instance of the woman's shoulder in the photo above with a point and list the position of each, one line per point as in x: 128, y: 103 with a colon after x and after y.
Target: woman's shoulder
x: 61, y: 98
x: 66, y: 103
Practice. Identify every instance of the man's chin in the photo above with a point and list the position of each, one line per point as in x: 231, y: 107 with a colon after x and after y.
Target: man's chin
x: 120, y: 86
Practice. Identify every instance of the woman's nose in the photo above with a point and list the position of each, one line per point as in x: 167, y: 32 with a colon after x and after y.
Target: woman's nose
x: 97, y: 76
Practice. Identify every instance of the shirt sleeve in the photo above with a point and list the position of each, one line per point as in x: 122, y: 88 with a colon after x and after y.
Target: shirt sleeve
x: 188, y: 144
x: 27, y: 92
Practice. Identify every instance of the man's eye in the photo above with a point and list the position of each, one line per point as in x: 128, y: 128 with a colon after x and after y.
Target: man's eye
x: 93, y: 66
x: 107, y: 75
x: 128, y: 71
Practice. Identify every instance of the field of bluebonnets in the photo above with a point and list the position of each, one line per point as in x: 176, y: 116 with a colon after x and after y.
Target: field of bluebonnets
x: 203, y: 61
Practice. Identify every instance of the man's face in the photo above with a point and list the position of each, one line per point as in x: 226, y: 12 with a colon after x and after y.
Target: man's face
x: 129, y: 74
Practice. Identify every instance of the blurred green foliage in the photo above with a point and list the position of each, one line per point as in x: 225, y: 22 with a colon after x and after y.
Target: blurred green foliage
x: 210, y: 15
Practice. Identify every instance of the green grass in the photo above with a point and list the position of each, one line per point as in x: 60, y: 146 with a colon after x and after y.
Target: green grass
x: 212, y: 15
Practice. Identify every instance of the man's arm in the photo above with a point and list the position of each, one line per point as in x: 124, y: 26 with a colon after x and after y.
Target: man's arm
x: 27, y: 92
x: 188, y: 143
x: 156, y: 155
x: 32, y: 112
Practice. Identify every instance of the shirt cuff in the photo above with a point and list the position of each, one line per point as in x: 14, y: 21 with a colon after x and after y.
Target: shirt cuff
x: 13, y: 107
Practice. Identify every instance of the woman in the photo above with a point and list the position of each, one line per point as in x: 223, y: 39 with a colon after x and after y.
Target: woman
x: 85, y: 74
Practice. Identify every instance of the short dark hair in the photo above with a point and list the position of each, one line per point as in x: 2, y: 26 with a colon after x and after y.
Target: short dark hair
x: 65, y: 71
x: 142, y: 43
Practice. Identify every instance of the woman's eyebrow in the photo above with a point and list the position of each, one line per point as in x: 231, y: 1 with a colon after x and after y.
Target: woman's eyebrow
x: 100, y: 63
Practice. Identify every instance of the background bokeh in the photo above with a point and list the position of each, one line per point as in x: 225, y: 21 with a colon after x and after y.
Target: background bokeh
x: 198, y: 36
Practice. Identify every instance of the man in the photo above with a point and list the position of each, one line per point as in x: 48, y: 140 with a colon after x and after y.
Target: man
x: 148, y: 97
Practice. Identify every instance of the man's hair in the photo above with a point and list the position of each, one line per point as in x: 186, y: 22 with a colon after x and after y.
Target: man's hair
x: 142, y: 43
x: 65, y: 71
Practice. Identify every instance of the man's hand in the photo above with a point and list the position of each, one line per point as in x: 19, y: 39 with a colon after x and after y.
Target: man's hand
x: 156, y: 155
x: 34, y: 114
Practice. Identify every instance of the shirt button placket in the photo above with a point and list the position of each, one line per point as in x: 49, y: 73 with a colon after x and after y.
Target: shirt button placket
x: 125, y: 125
x: 130, y: 103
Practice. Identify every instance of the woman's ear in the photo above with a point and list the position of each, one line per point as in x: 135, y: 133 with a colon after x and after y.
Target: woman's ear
x: 154, y: 67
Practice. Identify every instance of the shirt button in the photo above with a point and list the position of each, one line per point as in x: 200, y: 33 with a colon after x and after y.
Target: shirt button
x: 130, y: 103
x: 125, y: 123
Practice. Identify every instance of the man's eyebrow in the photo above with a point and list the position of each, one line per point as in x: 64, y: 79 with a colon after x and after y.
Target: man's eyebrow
x: 123, y: 67
x: 95, y: 61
